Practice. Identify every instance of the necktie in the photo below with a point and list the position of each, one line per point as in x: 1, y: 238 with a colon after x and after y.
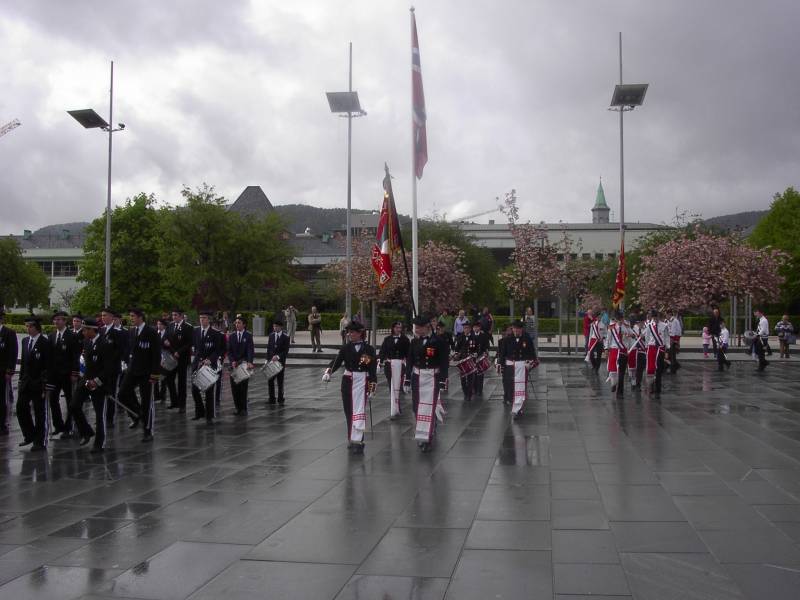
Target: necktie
x: 240, y: 337
x: 203, y: 335
x: 30, y: 345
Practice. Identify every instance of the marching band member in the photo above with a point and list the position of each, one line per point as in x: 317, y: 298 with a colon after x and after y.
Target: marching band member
x: 359, y: 380
x: 31, y: 390
x: 116, y: 341
x: 655, y: 332
x: 500, y: 365
x: 762, y: 330
x: 722, y: 346
x: 393, y: 355
x: 675, y: 332
x: 241, y: 350
x: 77, y: 323
x: 617, y: 357
x: 463, y: 351
x: 428, y: 364
x: 594, y: 348
x: 97, y: 359
x: 519, y: 356
x: 277, y: 349
x: 478, y: 345
x: 179, y: 342
x: 209, y: 346
x: 637, y: 354
x: 8, y: 366
x: 65, y: 354
x: 144, y: 368
x: 161, y: 388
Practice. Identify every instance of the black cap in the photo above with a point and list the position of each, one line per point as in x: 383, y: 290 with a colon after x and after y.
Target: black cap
x: 178, y: 310
x: 33, y: 320
x: 517, y: 323
x: 476, y: 323
x: 60, y: 313
x: 274, y: 322
x: 354, y: 326
x: 396, y: 323
x: 422, y: 321
x: 206, y: 313
x: 77, y: 316
x: 109, y: 310
x: 136, y: 311
x: 90, y: 324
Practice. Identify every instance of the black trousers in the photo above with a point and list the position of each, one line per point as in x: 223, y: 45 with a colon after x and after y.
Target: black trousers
x: 674, y: 365
x: 315, y: 343
x: 61, y: 383
x: 5, y: 400
x: 99, y: 403
x: 113, y: 392
x: 622, y: 368
x: 722, y: 360
x: 596, y: 355
x: 659, y: 373
x: 477, y: 383
x: 508, y: 384
x: 279, y: 380
x: 468, y: 386
x: 641, y: 363
x: 347, y: 402
x: 37, y: 427
x: 239, y: 393
x: 177, y: 396
x: 758, y: 348
x: 145, y: 409
x: 204, y: 402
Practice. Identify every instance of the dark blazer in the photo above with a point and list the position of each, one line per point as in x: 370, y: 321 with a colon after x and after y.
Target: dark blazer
x: 521, y: 348
x: 212, y: 348
x: 363, y: 360
x: 8, y: 350
x: 124, y: 342
x: 98, y: 358
x: 278, y: 346
x: 64, y: 357
x: 112, y: 342
x: 434, y: 354
x: 478, y: 343
x: 394, y: 349
x: 145, y: 352
x: 164, y: 337
x: 180, y: 340
x: 241, y: 352
x: 35, y: 361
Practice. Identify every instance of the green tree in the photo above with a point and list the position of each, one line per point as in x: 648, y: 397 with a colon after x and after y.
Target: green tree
x: 22, y: 283
x: 780, y: 229
x: 136, y: 245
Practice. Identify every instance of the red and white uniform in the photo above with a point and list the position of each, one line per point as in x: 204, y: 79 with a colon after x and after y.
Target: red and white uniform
x: 615, y: 345
x: 656, y: 334
x: 594, y: 337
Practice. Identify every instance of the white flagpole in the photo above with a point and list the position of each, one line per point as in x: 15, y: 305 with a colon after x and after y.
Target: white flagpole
x: 414, y: 230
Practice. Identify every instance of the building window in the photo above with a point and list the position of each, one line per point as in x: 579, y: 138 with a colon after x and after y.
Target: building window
x: 560, y: 257
x: 598, y: 256
x: 65, y: 268
x: 612, y: 255
x: 573, y: 256
x: 46, y: 266
x: 586, y: 256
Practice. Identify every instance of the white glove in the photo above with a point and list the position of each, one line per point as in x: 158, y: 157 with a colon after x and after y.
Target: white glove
x: 326, y: 377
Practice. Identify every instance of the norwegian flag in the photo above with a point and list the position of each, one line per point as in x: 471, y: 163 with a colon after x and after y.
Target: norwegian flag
x: 622, y: 277
x: 387, y: 238
x: 418, y: 108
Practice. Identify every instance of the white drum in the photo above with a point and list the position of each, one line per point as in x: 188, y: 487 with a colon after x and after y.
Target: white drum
x: 241, y: 373
x: 204, y: 378
x: 272, y: 368
x: 168, y: 362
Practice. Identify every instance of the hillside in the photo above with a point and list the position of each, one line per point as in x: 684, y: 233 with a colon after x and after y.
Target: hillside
x: 319, y: 220
x: 744, y: 221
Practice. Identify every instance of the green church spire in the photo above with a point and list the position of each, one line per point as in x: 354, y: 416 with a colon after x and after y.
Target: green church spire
x: 600, y: 200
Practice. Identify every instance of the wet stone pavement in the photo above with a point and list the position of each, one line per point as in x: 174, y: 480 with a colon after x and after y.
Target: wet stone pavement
x: 696, y: 496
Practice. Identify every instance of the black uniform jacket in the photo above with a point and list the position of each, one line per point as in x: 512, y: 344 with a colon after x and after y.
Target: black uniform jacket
x: 278, y: 345
x: 145, y: 351
x: 180, y: 340
x: 516, y: 348
x: 65, y: 356
x: 429, y: 353
x: 8, y: 350
x: 359, y: 357
x: 394, y: 347
x: 243, y: 351
x: 211, y: 348
x: 35, y: 362
x: 98, y: 358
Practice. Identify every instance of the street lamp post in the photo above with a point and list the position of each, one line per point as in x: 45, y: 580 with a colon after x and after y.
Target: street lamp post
x: 346, y: 104
x: 91, y: 120
x: 626, y: 97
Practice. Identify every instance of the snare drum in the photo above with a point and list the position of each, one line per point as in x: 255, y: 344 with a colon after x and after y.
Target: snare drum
x: 241, y: 373
x: 466, y: 367
x: 204, y: 378
x: 483, y: 364
x: 168, y: 362
x: 272, y: 368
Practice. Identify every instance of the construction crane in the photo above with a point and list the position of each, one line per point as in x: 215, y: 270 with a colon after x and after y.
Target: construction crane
x: 480, y: 214
x: 8, y: 127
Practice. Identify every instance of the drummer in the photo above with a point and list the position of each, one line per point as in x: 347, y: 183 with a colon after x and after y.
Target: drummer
x: 466, y: 364
x: 209, y: 346
x: 519, y: 356
x: 477, y: 347
x: 277, y: 351
x: 240, y: 351
x: 360, y: 379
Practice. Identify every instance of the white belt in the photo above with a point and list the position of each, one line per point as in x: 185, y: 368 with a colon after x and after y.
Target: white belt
x: 510, y: 363
x: 417, y: 370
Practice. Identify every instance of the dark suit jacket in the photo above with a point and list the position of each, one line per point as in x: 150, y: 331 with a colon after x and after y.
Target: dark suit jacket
x: 145, y: 352
x: 212, y: 348
x: 180, y: 340
x: 98, y: 358
x: 124, y: 342
x: 8, y: 350
x: 279, y: 348
x: 33, y: 370
x: 65, y: 357
x: 243, y: 351
x: 391, y: 349
x: 113, y: 346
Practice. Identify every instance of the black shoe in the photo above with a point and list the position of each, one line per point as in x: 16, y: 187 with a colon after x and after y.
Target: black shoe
x: 37, y: 448
x: 134, y: 424
x: 147, y: 437
x: 426, y: 447
x: 271, y: 401
x: 209, y: 421
x: 67, y: 435
x: 86, y: 439
x: 24, y: 443
x: 613, y: 388
x: 198, y: 417
x: 96, y: 450
x: 281, y: 400
x: 358, y: 448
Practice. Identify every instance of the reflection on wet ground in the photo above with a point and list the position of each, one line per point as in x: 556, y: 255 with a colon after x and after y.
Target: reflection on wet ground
x: 694, y: 495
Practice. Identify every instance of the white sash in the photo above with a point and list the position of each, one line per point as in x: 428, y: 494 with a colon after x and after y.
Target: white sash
x: 427, y: 408
x: 594, y: 337
x: 654, y: 331
x: 520, y: 384
x: 358, y: 393
x: 615, y: 334
x: 396, y: 370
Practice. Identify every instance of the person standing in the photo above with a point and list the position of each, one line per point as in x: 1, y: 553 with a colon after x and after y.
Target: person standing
x: 315, y: 327
x: 500, y: 365
x: 31, y: 392
x: 98, y: 371
x: 460, y: 325
x: 343, y: 323
x: 358, y: 382
x: 519, y: 356
x: 530, y: 325
x: 144, y: 367
x: 784, y: 330
x: 588, y: 318
x: 9, y: 348
x: 655, y: 334
x: 240, y: 350
x: 428, y: 364
x: 161, y: 388
x: 447, y: 319
x: 722, y: 346
x: 77, y: 323
x: 762, y: 330
x: 714, y: 327
x: 675, y: 332
x: 617, y: 360
x: 477, y: 346
x: 277, y: 350
x: 393, y: 355
x: 290, y: 314
x: 444, y: 333
x: 116, y: 341
x: 463, y: 351
x: 487, y: 324
x: 123, y: 339
x: 209, y: 346
x: 594, y: 346
x: 179, y: 343
x: 65, y: 354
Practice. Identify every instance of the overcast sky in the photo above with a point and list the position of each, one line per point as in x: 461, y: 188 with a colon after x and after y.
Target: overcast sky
x: 232, y: 93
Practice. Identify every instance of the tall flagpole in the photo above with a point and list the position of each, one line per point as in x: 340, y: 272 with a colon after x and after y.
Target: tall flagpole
x: 621, y: 171
x: 414, y: 229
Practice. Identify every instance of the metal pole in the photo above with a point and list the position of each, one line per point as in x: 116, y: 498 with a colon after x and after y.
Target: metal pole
x: 621, y: 169
x: 414, y: 229
x: 107, y: 294
x: 349, y: 258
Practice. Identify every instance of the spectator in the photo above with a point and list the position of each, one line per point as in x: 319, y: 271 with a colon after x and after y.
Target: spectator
x: 459, y: 323
x: 487, y: 324
x: 343, y: 323
x: 290, y: 314
x: 315, y: 327
x: 587, y: 322
x: 706, y: 341
x: 447, y: 319
x: 530, y: 325
x: 785, y: 331
x: 714, y: 327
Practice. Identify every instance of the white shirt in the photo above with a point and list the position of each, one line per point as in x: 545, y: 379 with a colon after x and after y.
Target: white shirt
x: 763, y: 327
x: 675, y: 328
x: 611, y: 340
x: 660, y: 328
x: 724, y: 335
